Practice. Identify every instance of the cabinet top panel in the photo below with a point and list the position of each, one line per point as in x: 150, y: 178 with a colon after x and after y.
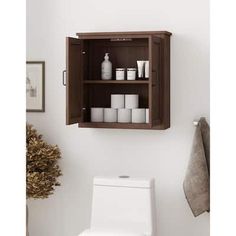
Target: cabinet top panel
x: 91, y: 35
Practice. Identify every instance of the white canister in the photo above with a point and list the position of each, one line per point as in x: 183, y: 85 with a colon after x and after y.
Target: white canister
x: 96, y: 114
x: 120, y: 73
x: 117, y: 101
x: 124, y: 115
x: 146, y: 69
x: 131, y: 101
x: 131, y: 73
x: 147, y: 115
x: 139, y: 115
x: 110, y: 115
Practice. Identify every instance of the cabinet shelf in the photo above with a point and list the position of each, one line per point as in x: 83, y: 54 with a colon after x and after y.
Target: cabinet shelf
x: 116, y: 81
x: 114, y: 125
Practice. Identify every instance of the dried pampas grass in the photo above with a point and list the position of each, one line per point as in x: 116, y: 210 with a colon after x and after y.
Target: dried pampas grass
x: 42, y: 167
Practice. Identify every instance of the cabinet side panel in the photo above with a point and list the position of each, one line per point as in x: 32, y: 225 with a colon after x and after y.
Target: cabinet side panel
x: 166, y: 82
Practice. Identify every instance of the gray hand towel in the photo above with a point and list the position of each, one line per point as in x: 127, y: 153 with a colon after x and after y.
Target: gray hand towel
x: 197, y: 179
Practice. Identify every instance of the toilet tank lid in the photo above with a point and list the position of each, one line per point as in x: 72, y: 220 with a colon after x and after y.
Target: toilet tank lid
x: 124, y: 181
x: 99, y: 232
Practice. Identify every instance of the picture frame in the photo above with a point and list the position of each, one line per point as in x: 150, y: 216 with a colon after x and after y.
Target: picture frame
x: 35, y: 86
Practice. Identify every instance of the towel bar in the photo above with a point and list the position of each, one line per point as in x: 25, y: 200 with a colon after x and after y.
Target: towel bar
x: 195, y: 122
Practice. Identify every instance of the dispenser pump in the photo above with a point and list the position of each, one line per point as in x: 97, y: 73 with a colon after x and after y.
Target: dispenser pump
x: 106, y: 68
x: 106, y: 56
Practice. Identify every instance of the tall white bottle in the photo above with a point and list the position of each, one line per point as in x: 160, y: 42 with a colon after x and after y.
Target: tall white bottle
x: 106, y: 68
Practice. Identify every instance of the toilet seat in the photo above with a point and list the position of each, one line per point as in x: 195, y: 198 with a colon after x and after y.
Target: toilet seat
x: 99, y: 232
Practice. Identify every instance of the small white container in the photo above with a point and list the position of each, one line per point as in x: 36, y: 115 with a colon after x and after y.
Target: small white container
x: 120, y: 73
x: 117, y: 101
x: 110, y: 115
x: 131, y: 73
x: 146, y: 69
x: 124, y: 115
x: 96, y: 114
x: 139, y: 115
x: 147, y: 115
x: 131, y: 101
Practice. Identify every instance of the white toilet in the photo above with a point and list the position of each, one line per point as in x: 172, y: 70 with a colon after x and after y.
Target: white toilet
x: 122, y: 206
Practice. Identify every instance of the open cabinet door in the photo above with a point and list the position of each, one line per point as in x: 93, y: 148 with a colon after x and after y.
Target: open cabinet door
x: 154, y: 87
x: 73, y: 80
x: 160, y: 85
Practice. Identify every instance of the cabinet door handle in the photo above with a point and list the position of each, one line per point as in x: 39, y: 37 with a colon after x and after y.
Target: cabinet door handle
x: 63, y: 77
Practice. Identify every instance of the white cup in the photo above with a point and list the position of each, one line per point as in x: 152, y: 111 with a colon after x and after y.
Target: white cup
x: 131, y: 73
x: 124, y: 115
x: 131, y: 101
x: 96, y: 114
x: 110, y: 115
x: 139, y: 115
x: 117, y: 101
x: 120, y: 73
x: 147, y: 115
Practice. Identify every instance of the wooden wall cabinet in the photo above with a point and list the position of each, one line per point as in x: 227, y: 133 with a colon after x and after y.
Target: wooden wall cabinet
x: 85, y: 89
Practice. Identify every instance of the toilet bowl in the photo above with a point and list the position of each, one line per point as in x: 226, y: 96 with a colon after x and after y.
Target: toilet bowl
x: 122, y: 206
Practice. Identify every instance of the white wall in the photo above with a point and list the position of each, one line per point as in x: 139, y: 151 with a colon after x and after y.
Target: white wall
x: 89, y: 152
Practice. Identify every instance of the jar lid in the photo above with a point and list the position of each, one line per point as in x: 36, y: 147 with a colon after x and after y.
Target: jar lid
x: 120, y: 69
x: 131, y: 69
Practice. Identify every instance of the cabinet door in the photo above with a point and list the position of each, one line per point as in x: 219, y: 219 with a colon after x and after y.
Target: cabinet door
x: 154, y: 87
x: 160, y: 82
x: 73, y: 80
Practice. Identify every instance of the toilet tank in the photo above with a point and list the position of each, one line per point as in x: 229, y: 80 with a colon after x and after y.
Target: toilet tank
x: 124, y: 203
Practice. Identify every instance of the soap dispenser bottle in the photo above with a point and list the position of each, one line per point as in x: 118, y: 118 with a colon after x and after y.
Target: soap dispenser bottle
x: 106, y: 68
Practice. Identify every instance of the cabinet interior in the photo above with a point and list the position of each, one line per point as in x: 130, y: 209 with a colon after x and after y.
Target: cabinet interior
x: 99, y: 95
x: 122, y: 54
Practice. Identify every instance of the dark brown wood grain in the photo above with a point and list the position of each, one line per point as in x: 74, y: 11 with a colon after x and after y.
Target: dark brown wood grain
x: 133, y: 34
x: 73, y: 80
x: 120, y: 126
x: 114, y: 125
x: 156, y: 73
x: 85, y: 89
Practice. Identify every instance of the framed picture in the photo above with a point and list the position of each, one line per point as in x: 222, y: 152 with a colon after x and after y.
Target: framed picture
x: 35, y: 86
